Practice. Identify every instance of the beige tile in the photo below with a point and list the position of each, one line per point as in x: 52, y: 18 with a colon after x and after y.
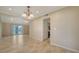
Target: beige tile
x: 23, y: 44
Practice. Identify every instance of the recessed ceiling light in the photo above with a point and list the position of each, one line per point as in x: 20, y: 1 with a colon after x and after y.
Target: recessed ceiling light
x: 10, y: 9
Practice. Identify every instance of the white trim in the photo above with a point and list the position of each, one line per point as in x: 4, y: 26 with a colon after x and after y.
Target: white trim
x: 70, y: 49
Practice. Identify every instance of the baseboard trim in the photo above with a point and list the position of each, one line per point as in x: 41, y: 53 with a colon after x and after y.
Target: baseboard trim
x: 73, y: 50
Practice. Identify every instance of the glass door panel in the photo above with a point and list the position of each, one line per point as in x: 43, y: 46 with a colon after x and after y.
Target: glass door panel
x: 17, y: 29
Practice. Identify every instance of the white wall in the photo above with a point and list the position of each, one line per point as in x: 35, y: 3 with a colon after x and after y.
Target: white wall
x: 0, y: 30
x: 36, y: 29
x: 65, y: 28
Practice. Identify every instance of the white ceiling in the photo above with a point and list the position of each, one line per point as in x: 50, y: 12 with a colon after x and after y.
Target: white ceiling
x: 18, y: 10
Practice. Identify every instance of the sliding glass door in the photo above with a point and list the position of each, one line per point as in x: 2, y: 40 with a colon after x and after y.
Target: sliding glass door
x: 17, y: 29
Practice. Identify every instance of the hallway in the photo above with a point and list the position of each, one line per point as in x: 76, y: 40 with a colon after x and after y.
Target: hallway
x: 23, y: 44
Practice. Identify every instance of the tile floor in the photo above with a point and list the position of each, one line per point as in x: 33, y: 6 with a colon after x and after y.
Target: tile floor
x: 23, y: 44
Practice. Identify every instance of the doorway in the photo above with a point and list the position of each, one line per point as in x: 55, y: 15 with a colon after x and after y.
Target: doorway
x: 46, y: 29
